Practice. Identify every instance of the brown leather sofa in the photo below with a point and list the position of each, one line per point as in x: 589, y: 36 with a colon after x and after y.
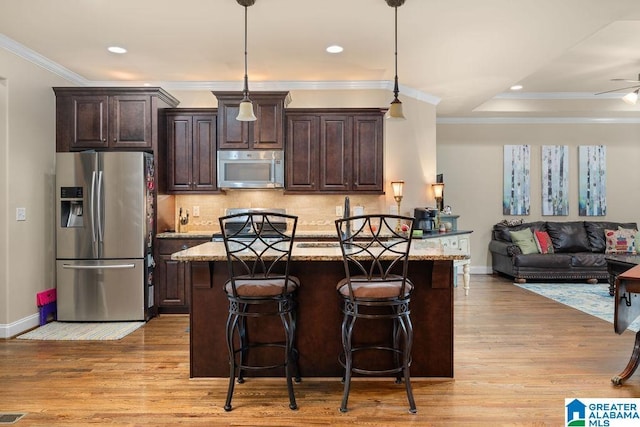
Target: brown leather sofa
x: 578, y: 251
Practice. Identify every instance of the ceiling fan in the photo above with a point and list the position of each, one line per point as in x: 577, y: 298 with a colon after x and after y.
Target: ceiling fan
x: 631, y: 97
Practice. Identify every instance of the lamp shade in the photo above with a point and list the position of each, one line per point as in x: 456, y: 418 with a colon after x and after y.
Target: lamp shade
x: 397, y: 187
x: 245, y: 112
x: 438, y: 188
x: 631, y: 98
x: 395, y: 110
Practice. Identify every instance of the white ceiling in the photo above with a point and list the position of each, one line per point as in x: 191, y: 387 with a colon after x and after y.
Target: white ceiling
x: 461, y: 54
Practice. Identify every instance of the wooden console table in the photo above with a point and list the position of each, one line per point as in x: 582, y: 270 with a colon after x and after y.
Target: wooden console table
x: 617, y: 264
x: 627, y: 309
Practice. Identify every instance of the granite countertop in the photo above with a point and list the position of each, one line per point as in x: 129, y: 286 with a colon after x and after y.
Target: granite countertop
x: 322, y: 251
x: 301, y: 234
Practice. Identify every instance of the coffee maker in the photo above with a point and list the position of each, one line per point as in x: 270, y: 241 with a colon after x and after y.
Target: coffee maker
x: 425, y: 219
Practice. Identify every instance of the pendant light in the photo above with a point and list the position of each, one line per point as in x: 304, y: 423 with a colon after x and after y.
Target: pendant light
x: 245, y: 112
x: 395, y: 109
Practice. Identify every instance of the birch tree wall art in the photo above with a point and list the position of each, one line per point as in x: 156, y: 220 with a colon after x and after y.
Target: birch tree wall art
x: 555, y: 180
x: 516, y: 199
x: 592, y: 180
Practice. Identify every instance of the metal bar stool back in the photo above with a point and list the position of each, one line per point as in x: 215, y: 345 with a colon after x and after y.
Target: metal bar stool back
x: 375, y: 288
x: 258, y: 252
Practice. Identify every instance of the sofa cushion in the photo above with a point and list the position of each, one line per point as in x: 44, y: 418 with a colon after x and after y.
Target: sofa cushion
x: 595, y: 231
x: 588, y: 259
x: 524, y: 240
x: 543, y: 261
x: 543, y: 242
x: 501, y: 231
x: 621, y: 240
x: 570, y: 236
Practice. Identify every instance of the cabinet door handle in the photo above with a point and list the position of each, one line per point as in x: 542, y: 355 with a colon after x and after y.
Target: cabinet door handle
x: 104, y: 139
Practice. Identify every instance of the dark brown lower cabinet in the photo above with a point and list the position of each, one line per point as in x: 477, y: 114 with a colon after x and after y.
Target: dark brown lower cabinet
x: 173, y: 279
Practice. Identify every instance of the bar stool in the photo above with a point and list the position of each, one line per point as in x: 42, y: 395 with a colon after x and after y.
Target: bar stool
x: 375, y: 254
x: 260, y: 286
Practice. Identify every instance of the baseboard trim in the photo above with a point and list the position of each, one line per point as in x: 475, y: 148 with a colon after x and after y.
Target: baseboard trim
x: 16, y: 328
x: 478, y: 269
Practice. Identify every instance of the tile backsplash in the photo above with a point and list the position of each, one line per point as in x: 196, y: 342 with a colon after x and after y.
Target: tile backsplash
x: 315, y: 212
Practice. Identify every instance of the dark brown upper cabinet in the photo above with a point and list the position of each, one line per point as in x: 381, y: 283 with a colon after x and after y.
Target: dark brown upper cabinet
x: 334, y: 150
x: 266, y: 133
x: 109, y: 118
x: 191, y: 150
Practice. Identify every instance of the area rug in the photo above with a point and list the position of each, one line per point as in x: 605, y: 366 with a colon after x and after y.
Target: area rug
x: 74, y: 331
x: 591, y: 299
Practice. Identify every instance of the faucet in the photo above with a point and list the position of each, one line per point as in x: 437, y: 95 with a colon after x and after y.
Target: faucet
x: 346, y: 214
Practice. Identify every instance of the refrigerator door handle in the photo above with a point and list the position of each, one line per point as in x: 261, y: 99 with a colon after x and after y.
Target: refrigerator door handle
x: 92, y: 206
x: 100, y: 207
x: 96, y: 267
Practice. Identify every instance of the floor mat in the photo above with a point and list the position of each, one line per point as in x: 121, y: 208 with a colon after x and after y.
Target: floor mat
x: 591, y: 299
x: 82, y: 331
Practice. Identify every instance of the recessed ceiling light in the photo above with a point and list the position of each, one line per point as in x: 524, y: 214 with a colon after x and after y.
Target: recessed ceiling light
x: 334, y: 48
x: 116, y: 49
x: 516, y: 87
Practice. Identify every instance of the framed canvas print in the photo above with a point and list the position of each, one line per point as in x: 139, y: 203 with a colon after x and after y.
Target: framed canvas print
x: 592, y: 182
x: 516, y: 198
x: 555, y: 180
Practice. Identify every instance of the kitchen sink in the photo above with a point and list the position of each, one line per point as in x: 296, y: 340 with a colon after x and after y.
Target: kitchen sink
x: 318, y: 245
x: 328, y: 244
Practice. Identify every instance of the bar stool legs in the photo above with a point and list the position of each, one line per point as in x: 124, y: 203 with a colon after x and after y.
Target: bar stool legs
x: 401, y: 348
x: 238, y: 356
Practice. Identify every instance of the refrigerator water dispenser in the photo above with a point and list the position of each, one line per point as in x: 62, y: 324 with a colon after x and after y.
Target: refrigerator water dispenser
x: 71, y: 207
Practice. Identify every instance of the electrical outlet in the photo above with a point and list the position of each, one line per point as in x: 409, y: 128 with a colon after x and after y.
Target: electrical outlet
x: 21, y: 214
x: 196, y: 211
x: 339, y: 211
x: 393, y: 209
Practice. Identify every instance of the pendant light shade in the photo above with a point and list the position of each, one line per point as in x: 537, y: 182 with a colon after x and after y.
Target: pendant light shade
x: 395, y: 109
x: 245, y: 112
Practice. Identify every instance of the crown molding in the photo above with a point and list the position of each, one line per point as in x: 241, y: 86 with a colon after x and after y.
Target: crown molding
x: 556, y: 95
x: 37, y: 59
x: 535, y: 120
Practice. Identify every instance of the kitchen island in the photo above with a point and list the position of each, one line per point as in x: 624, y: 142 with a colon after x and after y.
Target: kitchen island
x: 319, y: 267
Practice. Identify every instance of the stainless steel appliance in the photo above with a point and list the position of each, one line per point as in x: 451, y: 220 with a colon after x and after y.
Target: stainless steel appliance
x: 104, y: 223
x: 251, y: 169
x: 425, y: 219
x: 240, y: 222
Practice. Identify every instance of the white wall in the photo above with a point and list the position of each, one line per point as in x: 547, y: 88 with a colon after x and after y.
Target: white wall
x: 27, y: 138
x: 471, y: 158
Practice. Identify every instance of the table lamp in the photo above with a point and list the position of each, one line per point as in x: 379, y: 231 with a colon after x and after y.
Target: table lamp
x: 397, y: 195
x: 438, y: 189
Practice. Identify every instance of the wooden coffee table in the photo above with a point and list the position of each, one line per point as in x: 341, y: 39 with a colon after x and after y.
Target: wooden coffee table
x: 619, y: 263
x: 627, y: 309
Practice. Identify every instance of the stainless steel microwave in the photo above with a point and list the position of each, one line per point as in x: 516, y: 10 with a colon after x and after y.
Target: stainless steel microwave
x: 251, y: 169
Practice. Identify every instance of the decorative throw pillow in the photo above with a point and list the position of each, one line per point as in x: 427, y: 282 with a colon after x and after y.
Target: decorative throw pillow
x: 525, y: 241
x: 543, y: 242
x: 511, y: 222
x: 621, y: 240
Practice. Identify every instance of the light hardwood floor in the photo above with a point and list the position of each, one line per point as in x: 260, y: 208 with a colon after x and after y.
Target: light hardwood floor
x: 517, y: 357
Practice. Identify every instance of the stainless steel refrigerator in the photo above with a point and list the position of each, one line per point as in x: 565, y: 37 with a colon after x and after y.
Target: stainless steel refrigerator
x: 104, y: 217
